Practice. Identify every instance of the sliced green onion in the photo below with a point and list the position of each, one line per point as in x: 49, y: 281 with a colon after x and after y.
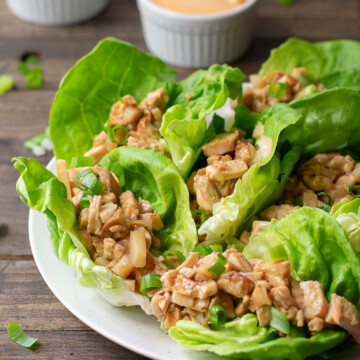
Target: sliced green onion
x: 33, y: 77
x: 298, y: 201
x: 32, y: 59
x: 286, y: 2
x: 205, y: 250
x: 219, y: 267
x: 176, y: 253
x: 155, y: 252
x: 111, y: 132
x: 17, y: 334
x: 217, y: 315
x: 353, y: 188
x: 325, y: 206
x: 6, y: 83
x: 306, y: 78
x: 277, y: 89
x: 89, y: 183
x: 279, y: 321
x: 311, y: 89
x: 149, y: 282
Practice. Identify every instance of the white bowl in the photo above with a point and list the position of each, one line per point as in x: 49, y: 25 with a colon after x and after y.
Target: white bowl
x: 56, y: 12
x: 193, y: 41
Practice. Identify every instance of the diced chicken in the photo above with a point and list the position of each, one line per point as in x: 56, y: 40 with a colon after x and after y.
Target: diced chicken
x: 221, y: 144
x: 238, y: 262
x: 316, y: 324
x: 182, y: 300
x: 63, y: 176
x: 225, y: 188
x: 144, y: 206
x: 260, y: 296
x: 278, y: 211
x: 206, y: 192
x: 313, y: 302
x: 107, y: 211
x: 119, y: 251
x: 309, y: 198
x: 172, y: 316
x: 282, y: 298
x: 155, y: 99
x: 129, y: 205
x: 94, y: 220
x: 235, y: 284
x: 264, y: 315
x: 342, y: 313
x: 97, y: 152
x: 247, y: 152
x: 109, y: 246
x: 226, y: 301
x: 117, y: 218
x: 277, y: 273
x: 188, y: 272
x: 137, y: 248
x: 242, y: 306
x: 257, y: 227
x: 160, y: 304
x: 222, y: 171
x: 123, y: 268
x: 101, y: 261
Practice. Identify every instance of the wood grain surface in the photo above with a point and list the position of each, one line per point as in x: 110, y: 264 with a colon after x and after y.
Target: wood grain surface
x: 24, y: 296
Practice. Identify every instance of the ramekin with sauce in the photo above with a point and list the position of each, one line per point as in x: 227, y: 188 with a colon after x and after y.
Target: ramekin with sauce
x: 197, y: 33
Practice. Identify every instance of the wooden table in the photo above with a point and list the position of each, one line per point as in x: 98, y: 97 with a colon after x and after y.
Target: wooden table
x: 24, y: 296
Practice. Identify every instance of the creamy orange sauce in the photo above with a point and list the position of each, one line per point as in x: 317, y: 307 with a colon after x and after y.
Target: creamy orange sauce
x: 199, y: 6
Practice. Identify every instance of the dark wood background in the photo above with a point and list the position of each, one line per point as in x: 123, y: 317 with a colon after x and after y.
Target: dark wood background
x: 24, y: 296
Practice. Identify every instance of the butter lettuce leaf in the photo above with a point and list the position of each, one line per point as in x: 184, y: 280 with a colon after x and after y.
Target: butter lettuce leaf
x: 184, y: 125
x: 154, y: 177
x: 261, y: 185
x: 243, y: 338
x: 329, y: 122
x: 333, y: 63
x: 317, y: 248
x: 86, y: 93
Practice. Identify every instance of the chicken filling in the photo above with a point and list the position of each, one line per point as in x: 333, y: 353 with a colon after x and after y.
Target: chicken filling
x: 132, y: 124
x: 324, y: 179
x: 190, y: 291
x: 278, y: 87
x: 229, y: 156
x: 116, y: 229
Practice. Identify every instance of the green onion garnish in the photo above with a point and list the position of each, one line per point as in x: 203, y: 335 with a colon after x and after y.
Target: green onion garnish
x: 353, y: 188
x: 33, y: 76
x: 200, y: 216
x: 217, y: 315
x: 277, y: 89
x: 306, y: 79
x: 112, y: 132
x: 311, y: 89
x: 89, y: 183
x: 219, y: 267
x: 85, y: 202
x: 176, y: 253
x: 6, y: 83
x: 325, y: 206
x: 149, y: 282
x: 205, y: 250
x: 17, y: 334
x: 298, y: 201
x: 286, y: 2
x: 279, y: 321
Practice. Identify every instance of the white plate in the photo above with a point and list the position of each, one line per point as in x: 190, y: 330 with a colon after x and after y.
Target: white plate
x: 128, y: 327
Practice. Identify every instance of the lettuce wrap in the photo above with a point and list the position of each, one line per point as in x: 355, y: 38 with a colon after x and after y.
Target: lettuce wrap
x: 189, y: 123
x: 261, y: 185
x: 86, y: 93
x: 318, y: 249
x: 333, y: 63
x: 162, y: 186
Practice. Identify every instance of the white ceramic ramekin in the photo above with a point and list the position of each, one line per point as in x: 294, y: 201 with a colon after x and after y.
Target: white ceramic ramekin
x: 193, y: 41
x: 56, y: 12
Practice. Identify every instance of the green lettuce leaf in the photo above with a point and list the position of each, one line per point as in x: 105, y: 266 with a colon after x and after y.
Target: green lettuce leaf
x: 347, y: 214
x: 154, y: 177
x: 317, y: 248
x: 329, y: 122
x: 163, y: 185
x: 260, y: 186
x: 242, y: 338
x: 184, y: 124
x: 87, y: 92
x: 333, y: 63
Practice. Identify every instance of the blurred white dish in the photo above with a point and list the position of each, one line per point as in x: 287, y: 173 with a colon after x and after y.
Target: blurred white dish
x: 56, y: 12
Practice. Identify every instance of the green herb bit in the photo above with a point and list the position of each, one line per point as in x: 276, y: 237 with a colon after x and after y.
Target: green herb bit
x: 176, y: 253
x: 149, y: 282
x: 33, y: 76
x: 17, y: 335
x: 286, y: 2
x: 279, y: 321
x: 217, y: 315
x: 219, y: 267
x: 325, y: 206
x: 298, y: 201
x: 306, y: 78
x: 311, y: 89
x: 200, y: 216
x: 277, y: 89
x: 205, y: 250
x: 6, y: 83
x: 353, y: 188
x: 114, y: 131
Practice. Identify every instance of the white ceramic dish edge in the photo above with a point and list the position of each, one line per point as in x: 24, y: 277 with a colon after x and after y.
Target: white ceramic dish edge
x: 197, y: 40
